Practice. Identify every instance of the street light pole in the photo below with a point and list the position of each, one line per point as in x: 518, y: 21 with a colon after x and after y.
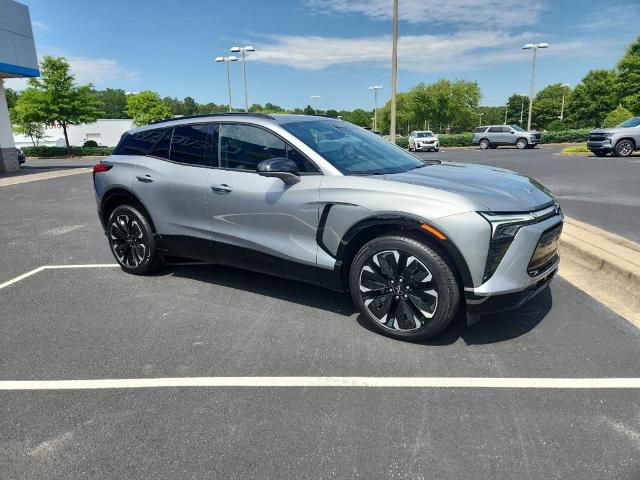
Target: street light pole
x: 480, y: 121
x: 564, y: 87
x: 226, y: 60
x: 394, y: 72
x: 375, y: 89
x: 248, y: 48
x: 506, y: 109
x: 315, y: 99
x: 522, y: 95
x: 534, y: 47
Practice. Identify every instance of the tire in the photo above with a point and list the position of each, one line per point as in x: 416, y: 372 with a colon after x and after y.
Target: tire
x: 522, y: 143
x: 131, y: 241
x: 624, y: 148
x: 484, y: 144
x: 389, y: 283
x: 600, y: 153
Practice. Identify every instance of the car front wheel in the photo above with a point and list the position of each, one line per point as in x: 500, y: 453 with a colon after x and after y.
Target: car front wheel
x: 521, y: 143
x: 624, y: 148
x: 484, y: 144
x: 131, y: 240
x: 403, y: 288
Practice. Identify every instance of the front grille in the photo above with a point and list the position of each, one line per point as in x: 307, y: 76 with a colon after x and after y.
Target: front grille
x: 597, y: 137
x: 536, y: 136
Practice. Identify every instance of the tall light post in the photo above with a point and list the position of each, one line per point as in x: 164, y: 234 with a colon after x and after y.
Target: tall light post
x: 480, y: 116
x: 243, y: 50
x: 394, y: 72
x: 315, y: 99
x: 564, y: 89
x: 226, y: 60
x: 506, y: 109
x: 522, y: 95
x: 534, y: 47
x: 375, y: 89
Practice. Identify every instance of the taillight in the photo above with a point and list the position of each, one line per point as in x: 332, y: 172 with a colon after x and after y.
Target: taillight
x: 100, y: 167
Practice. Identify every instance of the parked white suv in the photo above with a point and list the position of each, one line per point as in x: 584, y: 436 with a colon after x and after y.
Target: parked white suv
x: 423, y: 140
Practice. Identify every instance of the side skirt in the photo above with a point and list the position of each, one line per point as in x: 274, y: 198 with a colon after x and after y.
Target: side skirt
x: 247, y: 259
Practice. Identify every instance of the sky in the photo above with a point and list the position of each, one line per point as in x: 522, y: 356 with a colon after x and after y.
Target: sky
x: 333, y: 48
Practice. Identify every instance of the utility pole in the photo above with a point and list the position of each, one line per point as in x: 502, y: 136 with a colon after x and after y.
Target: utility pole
x: 226, y: 60
x: 394, y: 71
x: 506, y: 108
x: 564, y: 89
x: 243, y: 50
x: 375, y: 89
x: 522, y: 95
x: 534, y: 47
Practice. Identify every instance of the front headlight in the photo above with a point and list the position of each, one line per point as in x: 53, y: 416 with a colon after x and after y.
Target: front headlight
x: 503, y: 230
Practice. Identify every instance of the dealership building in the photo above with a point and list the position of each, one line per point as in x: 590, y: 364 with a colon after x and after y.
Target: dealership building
x: 18, y: 59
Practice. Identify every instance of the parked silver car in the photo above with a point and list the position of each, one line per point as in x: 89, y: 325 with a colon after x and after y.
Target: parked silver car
x: 621, y: 140
x: 491, y: 136
x: 423, y: 140
x: 323, y: 201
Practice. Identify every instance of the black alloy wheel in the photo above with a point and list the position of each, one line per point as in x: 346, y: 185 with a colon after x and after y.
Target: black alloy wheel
x: 131, y: 240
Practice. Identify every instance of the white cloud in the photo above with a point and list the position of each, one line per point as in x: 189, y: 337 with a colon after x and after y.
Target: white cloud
x: 99, y: 71
x: 597, y: 21
x: 421, y: 53
x: 485, y: 13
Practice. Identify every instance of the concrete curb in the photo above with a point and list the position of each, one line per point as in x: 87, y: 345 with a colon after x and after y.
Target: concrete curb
x: 604, y: 265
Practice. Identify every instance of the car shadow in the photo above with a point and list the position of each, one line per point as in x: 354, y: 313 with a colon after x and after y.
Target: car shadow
x: 490, y: 329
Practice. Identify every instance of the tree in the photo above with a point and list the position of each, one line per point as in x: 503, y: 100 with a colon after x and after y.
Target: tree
x: 12, y: 97
x: 332, y: 113
x: 190, y: 106
x: 308, y: 110
x: 616, y: 117
x: 628, y: 79
x: 175, y: 106
x: 517, y: 108
x: 114, y: 102
x: 548, y: 104
x: 593, y: 98
x: 359, y: 117
x: 27, y: 117
x: 62, y: 102
x: 146, y: 107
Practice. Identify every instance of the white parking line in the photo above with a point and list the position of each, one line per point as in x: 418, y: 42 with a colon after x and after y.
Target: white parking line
x: 34, y: 177
x: 54, y: 267
x: 348, y: 382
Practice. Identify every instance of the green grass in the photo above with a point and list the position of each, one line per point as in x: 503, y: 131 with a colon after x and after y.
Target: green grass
x: 576, y: 149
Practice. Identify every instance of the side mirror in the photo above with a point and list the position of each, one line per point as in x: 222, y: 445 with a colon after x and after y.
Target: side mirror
x: 282, y: 168
x: 512, y: 132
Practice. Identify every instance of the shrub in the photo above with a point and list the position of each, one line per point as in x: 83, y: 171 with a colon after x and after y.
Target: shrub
x: 616, y: 117
x: 557, y: 126
x: 566, y: 136
x: 52, y: 152
x: 90, y: 143
x: 576, y: 149
x: 455, y: 139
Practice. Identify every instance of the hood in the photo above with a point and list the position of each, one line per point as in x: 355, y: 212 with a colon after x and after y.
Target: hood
x: 499, y: 190
x: 608, y: 130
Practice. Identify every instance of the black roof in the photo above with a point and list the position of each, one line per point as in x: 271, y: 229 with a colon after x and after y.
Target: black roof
x: 216, y: 114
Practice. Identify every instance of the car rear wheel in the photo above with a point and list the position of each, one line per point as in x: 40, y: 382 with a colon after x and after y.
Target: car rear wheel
x: 131, y: 240
x: 624, y: 148
x: 403, y: 288
x: 484, y: 144
x: 521, y: 143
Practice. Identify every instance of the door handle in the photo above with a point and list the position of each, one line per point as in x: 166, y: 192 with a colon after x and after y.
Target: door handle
x: 145, y: 179
x: 223, y: 188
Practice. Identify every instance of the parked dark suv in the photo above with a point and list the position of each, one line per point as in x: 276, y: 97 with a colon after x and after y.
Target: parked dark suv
x: 323, y: 201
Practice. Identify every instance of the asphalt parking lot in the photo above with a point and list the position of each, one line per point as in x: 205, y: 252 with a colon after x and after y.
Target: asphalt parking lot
x: 209, y: 321
x: 602, y: 191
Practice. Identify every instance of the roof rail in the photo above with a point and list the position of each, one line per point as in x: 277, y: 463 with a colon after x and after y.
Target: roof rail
x: 215, y: 114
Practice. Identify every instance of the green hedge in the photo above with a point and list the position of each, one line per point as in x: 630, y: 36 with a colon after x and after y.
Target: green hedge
x: 51, y: 152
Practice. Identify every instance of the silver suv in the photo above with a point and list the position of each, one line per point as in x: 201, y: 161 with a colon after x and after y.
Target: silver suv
x: 323, y: 201
x: 621, y: 140
x: 491, y: 136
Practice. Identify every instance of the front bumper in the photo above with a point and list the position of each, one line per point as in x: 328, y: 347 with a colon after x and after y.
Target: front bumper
x: 428, y: 146
x: 513, y: 283
x: 601, y: 146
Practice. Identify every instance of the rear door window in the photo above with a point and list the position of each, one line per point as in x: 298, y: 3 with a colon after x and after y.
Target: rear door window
x: 495, y: 129
x: 189, y: 144
x: 163, y: 146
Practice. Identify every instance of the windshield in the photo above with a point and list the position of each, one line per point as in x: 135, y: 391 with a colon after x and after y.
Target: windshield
x: 632, y: 122
x: 424, y: 134
x: 517, y: 128
x: 351, y: 149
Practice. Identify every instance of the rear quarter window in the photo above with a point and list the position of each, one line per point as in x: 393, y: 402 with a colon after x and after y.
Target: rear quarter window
x: 480, y: 129
x: 139, y: 143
